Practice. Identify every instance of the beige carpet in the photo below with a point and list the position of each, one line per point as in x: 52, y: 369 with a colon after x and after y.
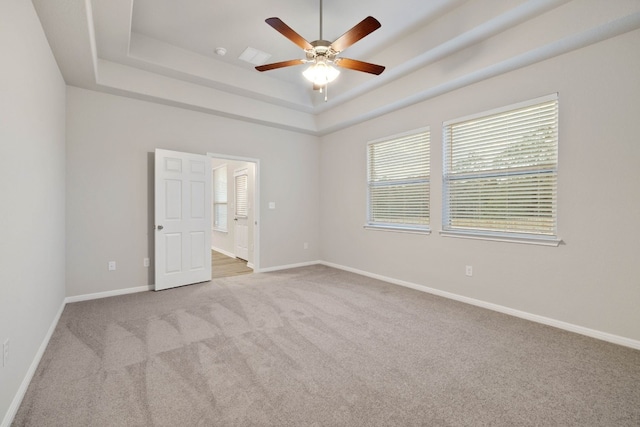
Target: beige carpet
x: 317, y: 346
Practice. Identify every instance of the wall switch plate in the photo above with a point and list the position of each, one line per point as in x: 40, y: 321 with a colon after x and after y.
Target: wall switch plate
x: 145, y: 262
x: 5, y: 353
x: 305, y: 245
x: 112, y: 265
x: 469, y: 270
x: 272, y: 205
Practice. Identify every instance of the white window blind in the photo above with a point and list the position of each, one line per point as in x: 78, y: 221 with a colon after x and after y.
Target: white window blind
x: 500, y: 171
x: 220, y: 198
x: 242, y: 207
x: 398, y: 181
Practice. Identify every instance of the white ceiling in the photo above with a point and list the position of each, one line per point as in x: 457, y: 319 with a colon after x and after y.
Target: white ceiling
x: 164, y: 50
x: 205, y: 24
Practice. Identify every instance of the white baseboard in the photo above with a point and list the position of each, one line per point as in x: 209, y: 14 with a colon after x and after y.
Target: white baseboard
x: 17, y: 399
x: 222, y: 251
x: 604, y: 336
x: 250, y: 265
x: 288, y: 266
x: 107, y: 294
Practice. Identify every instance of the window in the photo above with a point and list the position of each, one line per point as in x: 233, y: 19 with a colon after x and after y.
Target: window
x: 500, y: 173
x: 220, y: 198
x: 242, y: 200
x: 398, y: 182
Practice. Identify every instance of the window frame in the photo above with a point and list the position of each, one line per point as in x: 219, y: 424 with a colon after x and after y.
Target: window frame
x: 396, y: 227
x: 499, y: 234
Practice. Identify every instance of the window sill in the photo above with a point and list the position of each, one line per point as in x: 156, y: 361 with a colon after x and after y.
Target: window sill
x: 529, y: 240
x: 397, y: 229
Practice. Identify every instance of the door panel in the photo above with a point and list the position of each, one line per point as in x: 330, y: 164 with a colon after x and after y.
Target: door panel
x: 173, y: 207
x: 173, y: 242
x: 197, y: 200
x: 197, y: 250
x: 242, y: 239
x: 183, y: 218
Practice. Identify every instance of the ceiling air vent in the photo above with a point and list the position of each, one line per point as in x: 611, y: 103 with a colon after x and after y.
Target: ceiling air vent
x: 254, y: 56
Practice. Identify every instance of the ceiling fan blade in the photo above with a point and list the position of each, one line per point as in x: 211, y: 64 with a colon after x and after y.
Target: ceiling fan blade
x: 354, y: 64
x: 282, y: 64
x: 288, y: 32
x: 367, y: 26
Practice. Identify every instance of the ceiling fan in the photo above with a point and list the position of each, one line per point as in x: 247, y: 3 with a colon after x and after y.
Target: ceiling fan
x: 322, y: 53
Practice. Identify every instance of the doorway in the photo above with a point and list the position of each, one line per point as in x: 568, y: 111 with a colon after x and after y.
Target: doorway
x: 235, y: 215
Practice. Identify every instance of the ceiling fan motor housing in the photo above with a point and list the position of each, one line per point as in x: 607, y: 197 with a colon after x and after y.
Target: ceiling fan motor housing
x: 321, y: 48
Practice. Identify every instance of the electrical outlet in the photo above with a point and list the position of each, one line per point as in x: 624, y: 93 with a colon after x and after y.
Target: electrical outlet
x: 112, y: 265
x: 5, y: 353
x: 469, y: 270
x: 145, y: 262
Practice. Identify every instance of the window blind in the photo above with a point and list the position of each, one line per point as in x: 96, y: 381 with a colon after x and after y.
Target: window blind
x: 398, y: 181
x: 500, y: 170
x: 242, y: 207
x: 220, y: 198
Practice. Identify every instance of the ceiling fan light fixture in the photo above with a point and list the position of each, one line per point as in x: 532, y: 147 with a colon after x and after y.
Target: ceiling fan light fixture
x: 321, y: 73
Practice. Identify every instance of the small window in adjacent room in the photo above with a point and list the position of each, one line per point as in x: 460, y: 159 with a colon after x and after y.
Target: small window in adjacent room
x: 220, y: 198
x: 242, y: 195
x: 398, y: 182
x: 500, y: 173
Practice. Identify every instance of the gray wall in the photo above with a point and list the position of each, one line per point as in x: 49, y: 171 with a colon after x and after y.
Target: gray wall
x: 110, y: 141
x: 592, y: 280
x: 32, y: 194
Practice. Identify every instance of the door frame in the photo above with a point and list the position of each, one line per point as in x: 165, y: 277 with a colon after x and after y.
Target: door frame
x: 255, y: 201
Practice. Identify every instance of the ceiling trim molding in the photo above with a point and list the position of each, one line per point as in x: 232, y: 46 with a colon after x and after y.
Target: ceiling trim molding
x: 565, y: 45
x: 146, y: 72
x: 155, y: 64
x: 146, y: 85
x: 482, y: 32
x: 91, y: 31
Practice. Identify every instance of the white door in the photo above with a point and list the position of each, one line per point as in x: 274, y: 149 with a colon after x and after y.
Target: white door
x: 183, y: 219
x: 241, y: 214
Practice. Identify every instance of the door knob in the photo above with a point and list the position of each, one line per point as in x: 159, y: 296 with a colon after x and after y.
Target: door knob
x: 160, y: 227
